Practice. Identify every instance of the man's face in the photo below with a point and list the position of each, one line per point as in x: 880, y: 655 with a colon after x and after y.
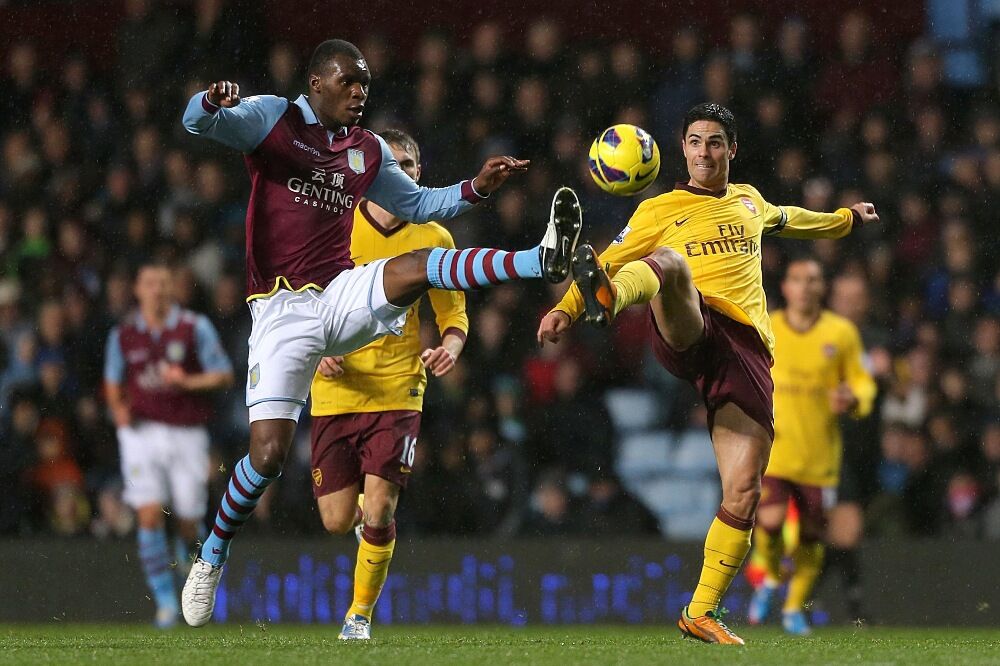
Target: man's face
x: 407, y: 161
x: 152, y: 288
x: 341, y: 91
x: 707, y: 152
x: 803, y: 286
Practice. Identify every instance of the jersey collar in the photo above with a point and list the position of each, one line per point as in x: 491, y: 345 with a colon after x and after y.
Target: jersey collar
x: 170, y: 322
x: 310, y: 116
x: 699, y: 190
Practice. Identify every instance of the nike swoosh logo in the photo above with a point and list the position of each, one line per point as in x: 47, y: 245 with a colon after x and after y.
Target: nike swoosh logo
x: 729, y: 565
x: 642, y: 176
x: 405, y: 470
x: 375, y: 564
x: 680, y: 222
x: 216, y: 551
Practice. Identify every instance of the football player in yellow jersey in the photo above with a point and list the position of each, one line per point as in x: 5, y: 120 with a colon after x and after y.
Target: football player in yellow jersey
x: 693, y: 254
x: 818, y: 375
x: 366, y: 405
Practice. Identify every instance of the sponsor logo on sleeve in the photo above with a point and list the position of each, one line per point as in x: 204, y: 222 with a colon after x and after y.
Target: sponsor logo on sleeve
x: 620, y: 238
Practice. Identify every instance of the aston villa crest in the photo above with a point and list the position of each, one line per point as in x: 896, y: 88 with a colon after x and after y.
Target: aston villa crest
x: 748, y: 202
x: 356, y: 160
x: 175, y: 351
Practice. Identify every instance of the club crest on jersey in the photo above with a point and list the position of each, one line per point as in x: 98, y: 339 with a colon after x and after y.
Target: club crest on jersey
x: 749, y: 204
x: 356, y: 160
x: 829, y: 350
x: 175, y: 351
x: 255, y: 376
x: 620, y: 238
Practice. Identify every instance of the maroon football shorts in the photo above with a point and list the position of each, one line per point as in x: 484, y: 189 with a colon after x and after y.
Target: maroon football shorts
x: 812, y: 503
x: 729, y: 364
x: 346, y: 447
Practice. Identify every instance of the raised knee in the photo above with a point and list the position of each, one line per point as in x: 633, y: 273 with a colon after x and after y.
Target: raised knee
x: 338, y: 524
x: 672, y: 264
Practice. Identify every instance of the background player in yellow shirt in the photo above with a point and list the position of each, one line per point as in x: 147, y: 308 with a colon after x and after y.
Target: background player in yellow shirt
x: 818, y: 375
x: 693, y: 254
x: 366, y: 405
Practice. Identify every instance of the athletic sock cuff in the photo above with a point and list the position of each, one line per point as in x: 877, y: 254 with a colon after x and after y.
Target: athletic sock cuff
x: 735, y: 522
x: 379, y: 536
x: 656, y: 269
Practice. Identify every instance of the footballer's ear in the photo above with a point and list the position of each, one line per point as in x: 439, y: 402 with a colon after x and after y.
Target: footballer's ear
x: 314, y: 82
x: 732, y: 150
x: 416, y: 178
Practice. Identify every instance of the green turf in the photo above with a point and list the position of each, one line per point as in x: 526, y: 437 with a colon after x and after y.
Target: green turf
x: 405, y: 646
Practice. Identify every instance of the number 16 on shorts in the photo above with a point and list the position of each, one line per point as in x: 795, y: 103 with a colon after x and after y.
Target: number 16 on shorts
x: 409, y: 451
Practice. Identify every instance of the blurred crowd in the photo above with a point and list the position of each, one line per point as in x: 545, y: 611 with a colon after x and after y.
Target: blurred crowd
x: 98, y: 176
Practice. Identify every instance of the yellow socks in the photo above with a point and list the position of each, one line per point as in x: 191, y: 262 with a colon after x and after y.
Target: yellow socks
x: 808, y: 562
x: 637, y: 282
x: 728, y: 542
x: 770, y: 548
x: 374, y: 555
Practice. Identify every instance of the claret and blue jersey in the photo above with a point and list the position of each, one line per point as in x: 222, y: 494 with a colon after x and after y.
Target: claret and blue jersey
x: 306, y: 181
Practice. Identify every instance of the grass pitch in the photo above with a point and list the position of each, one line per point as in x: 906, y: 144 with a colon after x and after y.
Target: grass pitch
x: 563, y: 646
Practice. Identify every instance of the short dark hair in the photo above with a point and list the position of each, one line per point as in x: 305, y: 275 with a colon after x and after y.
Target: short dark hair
x: 400, y: 139
x: 329, y: 50
x: 806, y: 258
x: 715, y: 112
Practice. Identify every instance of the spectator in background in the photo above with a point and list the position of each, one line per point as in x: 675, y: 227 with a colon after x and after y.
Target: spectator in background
x: 550, y: 512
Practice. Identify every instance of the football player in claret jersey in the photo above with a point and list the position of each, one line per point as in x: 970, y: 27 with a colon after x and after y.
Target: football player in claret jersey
x: 693, y: 254
x: 310, y: 164
x: 366, y: 405
x: 819, y: 374
x: 161, y: 364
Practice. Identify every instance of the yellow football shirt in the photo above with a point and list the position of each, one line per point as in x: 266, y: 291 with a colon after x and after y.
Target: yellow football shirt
x: 719, y: 235
x: 807, y: 366
x: 387, y: 374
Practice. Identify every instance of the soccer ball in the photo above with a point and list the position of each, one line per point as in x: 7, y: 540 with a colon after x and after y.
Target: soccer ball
x: 624, y: 160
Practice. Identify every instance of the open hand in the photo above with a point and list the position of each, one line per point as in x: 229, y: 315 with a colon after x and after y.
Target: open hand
x: 439, y: 361
x: 331, y: 366
x: 553, y: 325
x: 224, y: 93
x: 495, y: 173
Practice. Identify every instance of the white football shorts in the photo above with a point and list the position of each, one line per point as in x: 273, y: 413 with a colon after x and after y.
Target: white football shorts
x: 292, y: 331
x: 166, y: 465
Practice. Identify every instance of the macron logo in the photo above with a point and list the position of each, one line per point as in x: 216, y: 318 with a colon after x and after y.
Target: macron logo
x: 308, y: 149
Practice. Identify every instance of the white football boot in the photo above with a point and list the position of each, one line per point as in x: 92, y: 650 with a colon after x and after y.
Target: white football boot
x: 356, y: 628
x: 561, y: 234
x: 198, y: 595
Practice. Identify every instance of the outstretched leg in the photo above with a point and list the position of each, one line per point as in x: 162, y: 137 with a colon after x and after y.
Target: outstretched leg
x: 407, y: 277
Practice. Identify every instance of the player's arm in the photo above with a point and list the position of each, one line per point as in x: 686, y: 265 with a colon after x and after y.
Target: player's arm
x: 857, y: 379
x: 217, y: 371
x: 114, y: 377
x: 393, y: 190
x: 452, y: 322
x: 795, y: 222
x: 637, y: 240
x: 241, y: 123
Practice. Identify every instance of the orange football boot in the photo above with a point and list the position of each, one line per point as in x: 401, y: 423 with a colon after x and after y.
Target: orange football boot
x: 707, y: 628
x: 595, y: 285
